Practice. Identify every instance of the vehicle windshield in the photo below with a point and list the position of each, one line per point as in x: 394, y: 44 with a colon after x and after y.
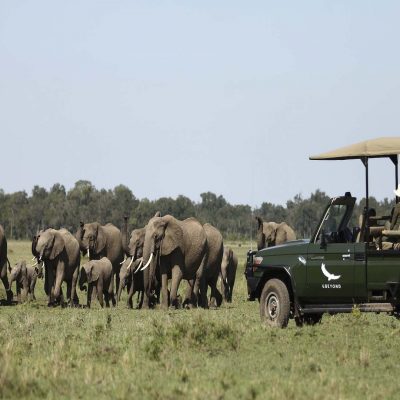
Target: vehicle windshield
x: 334, y: 224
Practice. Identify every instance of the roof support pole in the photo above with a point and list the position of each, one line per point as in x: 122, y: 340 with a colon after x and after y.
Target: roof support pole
x: 395, y: 160
x: 366, y: 210
x: 365, y: 162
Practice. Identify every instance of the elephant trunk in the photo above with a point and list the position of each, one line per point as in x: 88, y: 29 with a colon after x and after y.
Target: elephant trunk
x: 82, y: 279
x: 224, y: 281
x: 124, y: 232
x: 33, y: 246
x: 122, y: 285
x: 149, y: 260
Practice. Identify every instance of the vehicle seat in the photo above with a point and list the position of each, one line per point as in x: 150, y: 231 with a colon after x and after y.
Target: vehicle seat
x: 391, y: 233
x: 376, y: 227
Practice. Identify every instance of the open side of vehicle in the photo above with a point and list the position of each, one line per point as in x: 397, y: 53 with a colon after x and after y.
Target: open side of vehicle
x: 341, y: 267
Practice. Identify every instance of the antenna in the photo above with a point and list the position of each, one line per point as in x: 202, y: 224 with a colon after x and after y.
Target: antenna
x: 251, y: 228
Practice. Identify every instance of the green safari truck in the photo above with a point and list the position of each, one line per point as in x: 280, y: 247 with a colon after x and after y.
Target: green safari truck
x: 341, y: 267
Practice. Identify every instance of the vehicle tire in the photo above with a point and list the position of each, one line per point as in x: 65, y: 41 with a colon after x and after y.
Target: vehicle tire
x: 275, y: 304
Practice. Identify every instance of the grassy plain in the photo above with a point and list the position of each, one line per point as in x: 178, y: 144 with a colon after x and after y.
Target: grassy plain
x: 192, y: 354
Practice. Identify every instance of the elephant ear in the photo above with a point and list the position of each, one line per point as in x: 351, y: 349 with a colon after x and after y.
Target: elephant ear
x: 94, y: 273
x: 101, y: 239
x: 283, y: 231
x: 173, y: 237
x: 260, y: 240
x: 58, y: 246
x: 259, y: 223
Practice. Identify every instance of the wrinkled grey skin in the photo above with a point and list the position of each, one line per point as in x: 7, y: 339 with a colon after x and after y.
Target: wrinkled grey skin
x: 178, y: 249
x: 99, y: 274
x: 131, y: 280
x: 212, y: 265
x: 25, y: 277
x: 102, y: 241
x: 59, y: 251
x: 271, y: 234
x: 228, y: 273
x: 3, y: 265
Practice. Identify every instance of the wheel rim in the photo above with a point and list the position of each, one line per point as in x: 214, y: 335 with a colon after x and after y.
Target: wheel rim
x: 272, y: 306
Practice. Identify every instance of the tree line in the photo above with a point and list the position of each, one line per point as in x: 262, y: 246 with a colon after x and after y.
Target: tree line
x: 22, y: 215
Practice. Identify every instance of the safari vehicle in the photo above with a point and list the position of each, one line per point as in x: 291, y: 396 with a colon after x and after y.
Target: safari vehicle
x: 339, y: 268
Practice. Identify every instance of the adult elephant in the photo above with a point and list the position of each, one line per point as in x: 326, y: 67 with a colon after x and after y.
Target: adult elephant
x: 3, y: 265
x: 59, y: 251
x: 178, y: 249
x: 100, y: 241
x: 133, y: 248
x: 212, y: 266
x: 271, y: 234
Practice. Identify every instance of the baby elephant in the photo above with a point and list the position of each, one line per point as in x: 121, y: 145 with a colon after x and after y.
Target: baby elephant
x: 98, y: 273
x: 25, y: 278
x: 228, y: 273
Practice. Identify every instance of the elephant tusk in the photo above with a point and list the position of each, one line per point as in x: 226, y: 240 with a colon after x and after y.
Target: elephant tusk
x: 140, y: 264
x: 88, y: 253
x: 123, y: 261
x: 130, y: 263
x: 34, y: 265
x: 33, y: 258
x: 148, y: 262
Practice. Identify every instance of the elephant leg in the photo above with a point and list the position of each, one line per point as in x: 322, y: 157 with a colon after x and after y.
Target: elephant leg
x: 203, y: 292
x: 216, y: 297
x: 164, y: 291
x: 74, y: 295
x: 116, y: 281
x: 107, y: 299
x: 89, y: 295
x: 4, y: 279
x: 111, y: 295
x: 18, y: 293
x: 69, y: 293
x: 189, y: 295
x: 100, y: 293
x: 146, y: 299
x: 139, y: 299
x: 25, y: 293
x: 58, y: 282
x: 176, y: 278
x: 131, y: 292
x: 230, y: 286
x: 100, y: 298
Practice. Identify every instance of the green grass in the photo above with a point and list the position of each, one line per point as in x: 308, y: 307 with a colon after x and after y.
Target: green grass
x: 192, y: 354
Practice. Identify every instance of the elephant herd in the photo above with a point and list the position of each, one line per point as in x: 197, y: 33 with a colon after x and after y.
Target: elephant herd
x: 151, y: 261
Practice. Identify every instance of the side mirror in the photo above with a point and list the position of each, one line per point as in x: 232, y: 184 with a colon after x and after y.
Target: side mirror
x: 323, y: 240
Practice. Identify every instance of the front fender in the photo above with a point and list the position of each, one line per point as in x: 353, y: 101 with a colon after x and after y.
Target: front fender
x: 283, y: 273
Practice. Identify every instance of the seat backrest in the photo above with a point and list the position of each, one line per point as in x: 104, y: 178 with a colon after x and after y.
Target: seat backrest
x: 361, y: 222
x: 395, y: 220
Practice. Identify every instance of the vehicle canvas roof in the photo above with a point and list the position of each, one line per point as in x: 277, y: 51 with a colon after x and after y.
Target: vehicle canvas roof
x: 374, y: 148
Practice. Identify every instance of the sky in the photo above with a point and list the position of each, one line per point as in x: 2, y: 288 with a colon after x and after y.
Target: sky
x: 184, y: 97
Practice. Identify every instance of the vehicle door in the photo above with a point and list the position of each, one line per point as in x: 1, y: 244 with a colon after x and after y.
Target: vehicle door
x: 330, y: 262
